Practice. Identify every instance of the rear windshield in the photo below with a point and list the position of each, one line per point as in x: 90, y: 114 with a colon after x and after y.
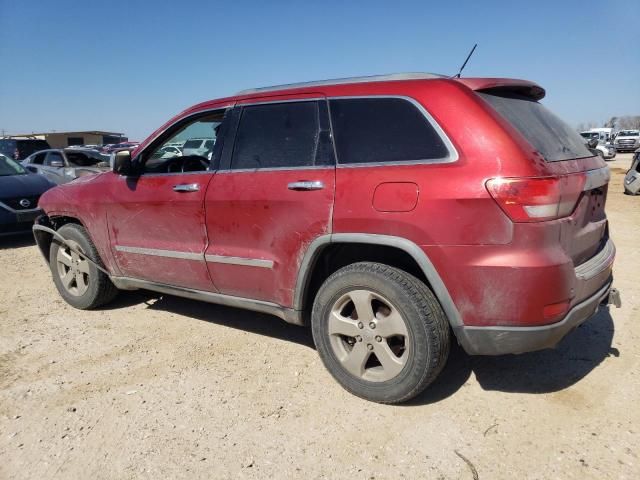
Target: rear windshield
x: 549, y: 135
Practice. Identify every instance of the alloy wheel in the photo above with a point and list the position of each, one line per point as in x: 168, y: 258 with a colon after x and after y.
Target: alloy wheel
x: 72, y: 269
x: 368, y: 336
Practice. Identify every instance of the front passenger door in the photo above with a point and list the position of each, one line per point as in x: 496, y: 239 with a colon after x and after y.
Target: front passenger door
x: 156, y: 219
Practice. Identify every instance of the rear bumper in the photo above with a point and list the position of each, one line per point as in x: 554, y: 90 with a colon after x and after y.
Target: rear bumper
x: 505, y: 340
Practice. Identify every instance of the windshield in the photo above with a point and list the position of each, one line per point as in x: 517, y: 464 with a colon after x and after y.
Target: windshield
x: 85, y: 160
x: 27, y: 147
x: 549, y: 135
x: 10, y: 167
x: 629, y: 133
x: 590, y: 135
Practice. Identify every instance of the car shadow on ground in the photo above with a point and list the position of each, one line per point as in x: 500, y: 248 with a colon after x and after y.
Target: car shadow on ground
x: 534, y: 373
x: 545, y: 371
x: 248, y: 321
x: 17, y: 241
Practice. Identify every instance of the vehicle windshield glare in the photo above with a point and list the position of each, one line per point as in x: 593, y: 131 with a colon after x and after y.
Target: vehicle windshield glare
x: 10, y: 167
x: 84, y: 160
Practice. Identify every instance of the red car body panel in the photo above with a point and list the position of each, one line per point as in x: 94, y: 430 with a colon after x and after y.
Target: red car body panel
x: 496, y: 271
x: 147, y: 213
x: 254, y: 215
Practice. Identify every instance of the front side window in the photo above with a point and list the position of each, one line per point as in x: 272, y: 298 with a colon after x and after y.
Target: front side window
x: 371, y: 130
x: 190, y: 148
x: 38, y: 159
x: 277, y: 135
x: 54, y: 159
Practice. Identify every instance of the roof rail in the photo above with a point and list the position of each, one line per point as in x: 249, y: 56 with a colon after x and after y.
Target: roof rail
x: 340, y: 81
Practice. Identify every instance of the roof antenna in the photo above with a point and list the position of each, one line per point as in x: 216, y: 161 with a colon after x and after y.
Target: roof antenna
x: 457, y: 75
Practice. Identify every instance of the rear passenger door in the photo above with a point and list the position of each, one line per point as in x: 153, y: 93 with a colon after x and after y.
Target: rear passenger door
x: 272, y: 197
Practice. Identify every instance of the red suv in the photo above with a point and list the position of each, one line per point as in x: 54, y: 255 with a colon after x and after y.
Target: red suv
x: 388, y: 213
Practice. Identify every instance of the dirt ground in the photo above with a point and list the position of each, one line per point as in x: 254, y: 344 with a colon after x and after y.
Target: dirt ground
x: 162, y: 387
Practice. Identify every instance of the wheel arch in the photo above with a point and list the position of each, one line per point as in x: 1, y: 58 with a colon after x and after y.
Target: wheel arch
x: 317, y: 249
x: 53, y: 222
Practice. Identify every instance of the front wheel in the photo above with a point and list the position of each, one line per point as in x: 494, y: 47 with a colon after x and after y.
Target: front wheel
x: 79, y: 282
x: 380, y: 332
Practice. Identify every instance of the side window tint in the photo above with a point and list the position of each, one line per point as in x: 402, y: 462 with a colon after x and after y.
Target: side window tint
x: 277, y: 135
x: 370, y: 130
x: 39, y: 159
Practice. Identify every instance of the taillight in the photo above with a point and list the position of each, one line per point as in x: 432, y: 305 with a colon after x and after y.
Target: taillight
x: 537, y: 199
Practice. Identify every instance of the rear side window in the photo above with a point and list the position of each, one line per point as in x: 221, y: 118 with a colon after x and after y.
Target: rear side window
x: 370, y: 130
x: 277, y: 135
x: 549, y: 135
x: 192, y: 144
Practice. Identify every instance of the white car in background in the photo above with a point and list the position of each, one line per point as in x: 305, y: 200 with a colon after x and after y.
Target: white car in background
x: 168, y: 152
x: 627, y: 140
x: 198, y: 146
x: 607, y: 152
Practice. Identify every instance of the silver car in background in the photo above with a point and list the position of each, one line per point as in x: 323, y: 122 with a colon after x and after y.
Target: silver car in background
x: 64, y: 165
x: 632, y: 178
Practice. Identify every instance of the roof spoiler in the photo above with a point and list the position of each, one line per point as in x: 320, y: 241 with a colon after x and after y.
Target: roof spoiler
x: 505, y: 85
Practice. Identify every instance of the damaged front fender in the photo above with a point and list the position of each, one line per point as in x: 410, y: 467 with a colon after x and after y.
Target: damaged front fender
x: 44, y: 234
x: 42, y: 229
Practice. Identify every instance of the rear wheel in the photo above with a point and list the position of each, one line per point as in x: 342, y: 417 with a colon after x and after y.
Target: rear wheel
x: 78, y: 281
x: 380, y: 332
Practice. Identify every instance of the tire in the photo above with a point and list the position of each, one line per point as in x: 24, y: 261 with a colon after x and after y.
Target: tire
x: 600, y: 154
x: 79, y: 282
x: 349, y: 344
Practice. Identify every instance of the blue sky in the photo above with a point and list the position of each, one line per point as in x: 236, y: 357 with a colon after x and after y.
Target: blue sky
x: 129, y: 66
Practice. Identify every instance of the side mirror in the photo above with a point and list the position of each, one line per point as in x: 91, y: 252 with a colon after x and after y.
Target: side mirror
x: 593, y: 143
x: 56, y: 164
x: 121, y: 162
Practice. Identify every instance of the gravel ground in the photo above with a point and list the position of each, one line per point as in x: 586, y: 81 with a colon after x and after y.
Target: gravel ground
x: 162, y: 387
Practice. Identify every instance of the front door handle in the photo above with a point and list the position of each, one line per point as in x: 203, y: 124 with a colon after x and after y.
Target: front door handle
x: 306, y: 185
x: 186, y: 187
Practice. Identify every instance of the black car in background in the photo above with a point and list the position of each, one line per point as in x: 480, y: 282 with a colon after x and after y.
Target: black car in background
x: 19, y: 194
x: 21, y: 148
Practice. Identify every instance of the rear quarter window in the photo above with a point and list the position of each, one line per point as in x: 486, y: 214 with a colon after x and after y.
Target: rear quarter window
x: 371, y: 130
x: 549, y: 135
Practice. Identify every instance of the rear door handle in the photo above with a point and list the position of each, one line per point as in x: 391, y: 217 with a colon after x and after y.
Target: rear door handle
x: 186, y: 187
x: 306, y: 185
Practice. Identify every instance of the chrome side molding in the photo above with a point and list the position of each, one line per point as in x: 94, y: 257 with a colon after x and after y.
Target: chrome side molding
x: 247, y: 262
x: 161, y: 253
